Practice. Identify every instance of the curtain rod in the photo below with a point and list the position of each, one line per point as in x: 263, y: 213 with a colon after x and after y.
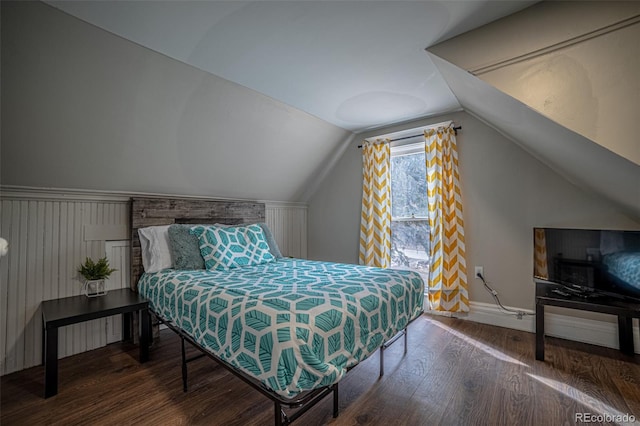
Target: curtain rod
x: 455, y: 129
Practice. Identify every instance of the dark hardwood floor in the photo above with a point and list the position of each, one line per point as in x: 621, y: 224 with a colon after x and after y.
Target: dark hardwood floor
x: 455, y: 373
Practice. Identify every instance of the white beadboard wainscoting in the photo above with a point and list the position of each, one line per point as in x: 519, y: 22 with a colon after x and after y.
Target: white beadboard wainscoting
x: 50, y: 232
x: 288, y: 223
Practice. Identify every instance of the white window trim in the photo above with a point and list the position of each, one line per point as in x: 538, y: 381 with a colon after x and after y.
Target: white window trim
x: 407, y: 149
x: 408, y: 132
x: 409, y: 219
x: 402, y: 150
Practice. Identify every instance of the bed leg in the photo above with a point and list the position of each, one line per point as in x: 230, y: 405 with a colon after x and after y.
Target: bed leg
x: 381, y: 361
x: 405, y: 340
x: 150, y: 331
x: 184, y: 366
x: 335, y: 400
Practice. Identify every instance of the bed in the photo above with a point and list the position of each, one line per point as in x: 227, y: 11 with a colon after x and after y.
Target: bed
x: 291, y: 328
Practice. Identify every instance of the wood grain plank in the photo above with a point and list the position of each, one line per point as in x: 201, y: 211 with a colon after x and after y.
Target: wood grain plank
x: 166, y: 211
x: 627, y: 380
x: 516, y: 387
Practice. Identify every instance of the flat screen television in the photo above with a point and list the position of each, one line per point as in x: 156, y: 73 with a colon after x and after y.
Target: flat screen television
x: 589, y: 262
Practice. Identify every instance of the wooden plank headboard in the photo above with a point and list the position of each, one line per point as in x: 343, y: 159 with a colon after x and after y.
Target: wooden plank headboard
x: 166, y: 211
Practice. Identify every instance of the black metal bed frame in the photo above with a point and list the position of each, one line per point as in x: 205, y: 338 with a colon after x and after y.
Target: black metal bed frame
x: 303, y: 402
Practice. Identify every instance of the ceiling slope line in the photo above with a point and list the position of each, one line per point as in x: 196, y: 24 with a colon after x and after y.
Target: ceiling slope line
x: 317, y: 178
x: 557, y: 46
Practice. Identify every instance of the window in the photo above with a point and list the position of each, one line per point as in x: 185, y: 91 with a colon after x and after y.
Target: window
x: 409, y: 209
x: 410, y: 246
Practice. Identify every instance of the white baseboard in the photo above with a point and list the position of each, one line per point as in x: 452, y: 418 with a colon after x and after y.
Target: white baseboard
x: 601, y: 333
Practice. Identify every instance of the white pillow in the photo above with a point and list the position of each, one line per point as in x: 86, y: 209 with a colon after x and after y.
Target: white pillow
x: 156, y: 251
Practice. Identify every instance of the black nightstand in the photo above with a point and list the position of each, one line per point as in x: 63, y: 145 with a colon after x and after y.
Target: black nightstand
x: 72, y: 310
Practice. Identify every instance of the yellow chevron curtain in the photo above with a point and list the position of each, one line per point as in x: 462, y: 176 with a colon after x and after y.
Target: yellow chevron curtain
x: 540, y: 269
x: 375, y: 225
x: 448, y: 271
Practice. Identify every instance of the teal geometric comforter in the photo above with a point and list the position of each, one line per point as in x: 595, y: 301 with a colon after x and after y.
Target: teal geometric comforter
x: 293, y: 324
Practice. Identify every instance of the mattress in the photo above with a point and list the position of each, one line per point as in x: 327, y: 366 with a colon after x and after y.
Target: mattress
x: 294, y: 325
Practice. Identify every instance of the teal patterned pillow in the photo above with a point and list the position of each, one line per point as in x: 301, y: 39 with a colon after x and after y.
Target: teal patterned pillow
x: 185, y: 248
x: 273, y: 245
x: 227, y: 248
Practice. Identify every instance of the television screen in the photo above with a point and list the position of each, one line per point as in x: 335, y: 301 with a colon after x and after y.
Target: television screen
x: 590, y: 261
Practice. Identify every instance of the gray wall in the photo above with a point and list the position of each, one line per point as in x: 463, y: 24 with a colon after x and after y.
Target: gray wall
x: 85, y: 109
x: 506, y: 192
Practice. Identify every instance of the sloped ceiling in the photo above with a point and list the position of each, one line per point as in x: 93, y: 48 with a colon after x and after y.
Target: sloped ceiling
x: 85, y: 109
x: 581, y: 73
x: 580, y: 160
x: 355, y: 64
x: 564, y: 89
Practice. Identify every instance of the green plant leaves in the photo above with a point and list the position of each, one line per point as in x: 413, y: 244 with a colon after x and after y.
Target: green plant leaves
x: 99, y: 270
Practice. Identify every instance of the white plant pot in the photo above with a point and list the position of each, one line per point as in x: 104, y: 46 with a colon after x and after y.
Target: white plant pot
x: 94, y: 288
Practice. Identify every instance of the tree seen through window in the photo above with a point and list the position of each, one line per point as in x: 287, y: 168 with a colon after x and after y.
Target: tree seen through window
x: 409, y: 211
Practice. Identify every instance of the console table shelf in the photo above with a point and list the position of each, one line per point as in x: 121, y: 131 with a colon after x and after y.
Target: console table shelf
x: 551, y: 295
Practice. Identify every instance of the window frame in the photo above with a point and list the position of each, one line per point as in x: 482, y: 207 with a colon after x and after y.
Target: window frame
x: 406, y: 146
x: 401, y: 150
x: 411, y: 146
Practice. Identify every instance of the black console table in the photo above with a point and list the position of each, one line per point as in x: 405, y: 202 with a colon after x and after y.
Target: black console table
x: 72, y: 310
x: 552, y: 295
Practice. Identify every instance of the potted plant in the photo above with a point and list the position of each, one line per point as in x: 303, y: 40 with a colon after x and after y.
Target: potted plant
x: 94, y: 274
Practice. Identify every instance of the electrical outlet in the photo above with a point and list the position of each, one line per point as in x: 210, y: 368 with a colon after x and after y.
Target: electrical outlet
x: 479, y: 271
